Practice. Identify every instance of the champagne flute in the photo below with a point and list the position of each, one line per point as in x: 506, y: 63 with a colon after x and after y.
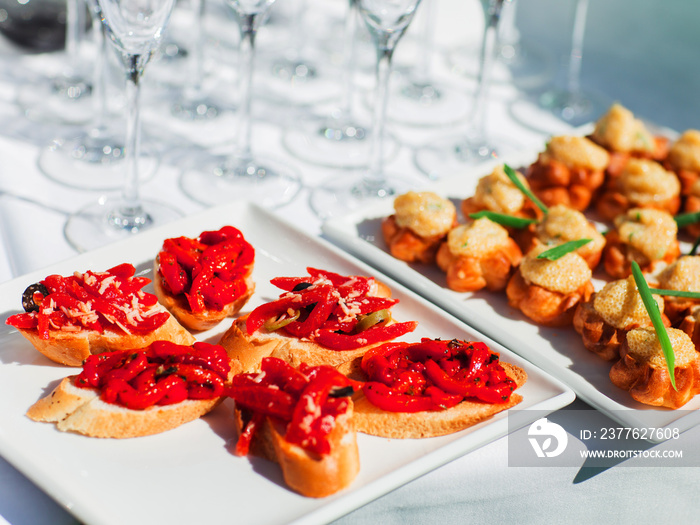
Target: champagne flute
x: 387, y: 21
x: 418, y: 99
x: 193, y: 102
x: 135, y: 28
x: 571, y: 104
x: 93, y: 159
x: 220, y: 178
x: 340, y: 139
x: 65, y: 97
x: 450, y: 156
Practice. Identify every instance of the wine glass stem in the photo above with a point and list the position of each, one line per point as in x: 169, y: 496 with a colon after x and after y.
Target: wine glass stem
x: 246, y: 59
x: 193, y: 89
x: 422, y: 73
x: 385, y: 52
x: 487, y: 59
x: 100, y: 71
x: 75, y: 26
x: 130, y: 192
x: 574, y: 70
x: 349, y: 58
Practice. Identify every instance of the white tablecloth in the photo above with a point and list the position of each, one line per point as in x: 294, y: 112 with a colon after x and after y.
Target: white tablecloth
x: 479, y: 487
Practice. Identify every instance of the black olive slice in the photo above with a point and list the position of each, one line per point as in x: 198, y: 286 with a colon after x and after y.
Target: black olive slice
x: 301, y: 286
x: 346, y: 391
x: 28, y: 297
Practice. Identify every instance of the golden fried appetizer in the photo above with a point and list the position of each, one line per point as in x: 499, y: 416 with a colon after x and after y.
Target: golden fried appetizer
x: 496, y: 192
x: 683, y: 275
x: 691, y: 204
x: 643, y: 371
x: 641, y: 184
x: 420, y: 222
x: 478, y: 255
x: 563, y: 224
x: 684, y: 159
x: 626, y: 137
x: 644, y: 235
x: 569, y: 171
x: 547, y: 291
x: 604, y: 320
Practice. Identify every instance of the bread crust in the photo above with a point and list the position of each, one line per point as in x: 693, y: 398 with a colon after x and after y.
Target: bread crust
x: 372, y: 420
x: 305, y: 472
x: 178, y: 306
x: 72, y: 348
x: 250, y: 350
x: 81, y: 410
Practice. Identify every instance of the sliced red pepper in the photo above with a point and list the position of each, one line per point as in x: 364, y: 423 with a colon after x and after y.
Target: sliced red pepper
x: 376, y: 334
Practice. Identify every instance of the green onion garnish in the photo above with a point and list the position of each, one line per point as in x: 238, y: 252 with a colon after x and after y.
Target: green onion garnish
x: 675, y: 293
x: 685, y: 219
x: 655, y: 315
x: 694, y: 248
x: 518, y: 183
x: 503, y: 219
x: 560, y: 251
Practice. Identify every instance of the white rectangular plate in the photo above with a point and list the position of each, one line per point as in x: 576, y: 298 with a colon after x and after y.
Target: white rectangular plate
x: 558, y: 351
x: 190, y: 475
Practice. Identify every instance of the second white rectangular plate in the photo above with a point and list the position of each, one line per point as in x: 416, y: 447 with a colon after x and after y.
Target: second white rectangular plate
x: 558, y: 351
x: 190, y: 474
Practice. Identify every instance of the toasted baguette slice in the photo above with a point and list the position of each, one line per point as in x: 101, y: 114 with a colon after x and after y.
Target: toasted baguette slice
x: 407, y: 425
x: 179, y: 307
x: 251, y: 349
x: 81, y: 410
x: 72, y: 348
x: 307, y: 473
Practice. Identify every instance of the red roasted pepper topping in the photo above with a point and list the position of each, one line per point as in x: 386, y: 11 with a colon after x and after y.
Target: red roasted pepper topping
x: 433, y: 375
x: 162, y: 374
x: 334, y: 311
x: 307, y: 400
x: 112, y: 299
x: 209, y: 270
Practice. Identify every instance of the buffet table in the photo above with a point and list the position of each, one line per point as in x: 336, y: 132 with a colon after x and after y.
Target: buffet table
x: 481, y: 486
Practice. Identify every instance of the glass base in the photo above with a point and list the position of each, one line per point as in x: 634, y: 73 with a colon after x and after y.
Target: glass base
x: 334, y: 143
x: 526, y: 65
x: 92, y: 162
x: 339, y: 196
x: 113, y: 219
x: 575, y: 108
x: 451, y: 157
x: 61, y: 100
x: 221, y: 179
x: 426, y: 104
x: 196, y: 109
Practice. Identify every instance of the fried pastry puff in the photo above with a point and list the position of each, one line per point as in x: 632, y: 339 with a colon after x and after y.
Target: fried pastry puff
x: 496, y: 192
x: 644, y: 235
x: 691, y: 204
x: 683, y: 275
x: 643, y: 371
x: 569, y: 171
x: 420, y: 222
x: 548, y: 292
x: 605, y: 319
x: 478, y: 255
x: 626, y: 137
x: 641, y: 184
x: 684, y: 159
x: 563, y: 224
